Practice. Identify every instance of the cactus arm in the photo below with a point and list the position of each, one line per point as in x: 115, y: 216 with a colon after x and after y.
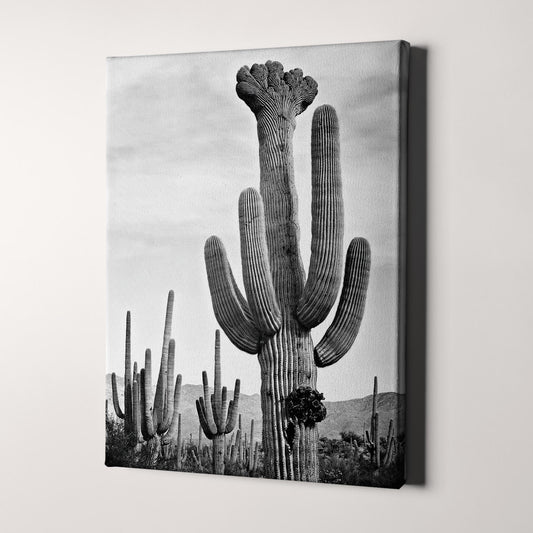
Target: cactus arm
x: 374, y: 399
x: 178, y: 444
x: 206, y: 401
x: 251, y: 447
x: 128, y: 405
x: 239, y: 445
x: 340, y: 336
x: 200, y: 407
x: 221, y: 423
x: 240, y: 298
x: 136, y: 411
x: 144, y: 427
x: 170, y: 390
x: 386, y: 459
x: 227, y: 301
x: 116, y: 403
x: 255, y: 263
x: 146, y: 382
x: 217, y: 404
x: 161, y: 389
x: 256, y: 457
x: 376, y: 441
x: 251, y: 452
x: 233, y: 454
x: 233, y: 408
x: 172, y: 432
x: 325, y: 268
x: 214, y: 411
x: 229, y: 415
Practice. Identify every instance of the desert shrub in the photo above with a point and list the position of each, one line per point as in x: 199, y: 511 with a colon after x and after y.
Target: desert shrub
x: 352, y: 437
x: 118, y: 451
x: 345, y: 463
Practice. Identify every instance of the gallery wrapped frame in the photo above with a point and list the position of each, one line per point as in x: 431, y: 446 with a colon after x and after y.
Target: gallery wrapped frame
x: 314, y: 317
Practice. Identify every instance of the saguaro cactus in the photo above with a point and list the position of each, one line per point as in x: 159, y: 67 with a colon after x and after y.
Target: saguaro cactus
x: 217, y: 418
x: 127, y: 413
x: 136, y: 409
x: 160, y: 423
x: 275, y: 318
x: 373, y: 438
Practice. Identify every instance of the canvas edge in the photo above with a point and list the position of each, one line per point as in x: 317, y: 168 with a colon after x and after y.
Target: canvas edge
x: 403, y: 95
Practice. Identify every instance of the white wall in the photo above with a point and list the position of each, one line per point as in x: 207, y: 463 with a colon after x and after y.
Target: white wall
x: 52, y: 268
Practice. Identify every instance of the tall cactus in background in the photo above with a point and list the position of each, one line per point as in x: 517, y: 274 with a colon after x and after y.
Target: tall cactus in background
x: 373, y: 438
x: 127, y: 414
x: 156, y: 425
x: 217, y: 418
x: 136, y: 409
x: 275, y: 318
x: 160, y: 423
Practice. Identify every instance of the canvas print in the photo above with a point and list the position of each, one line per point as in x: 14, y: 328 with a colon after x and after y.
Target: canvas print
x: 256, y: 263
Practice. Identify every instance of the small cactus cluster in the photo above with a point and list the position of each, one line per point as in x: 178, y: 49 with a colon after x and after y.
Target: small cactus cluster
x: 156, y: 427
x: 244, y: 451
x: 242, y: 454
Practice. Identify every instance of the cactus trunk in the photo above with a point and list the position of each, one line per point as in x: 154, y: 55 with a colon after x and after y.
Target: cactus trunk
x: 286, y: 358
x: 281, y: 208
x: 218, y: 454
x: 286, y: 361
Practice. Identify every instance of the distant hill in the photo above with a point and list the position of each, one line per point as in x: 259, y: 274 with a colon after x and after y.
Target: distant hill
x: 348, y: 415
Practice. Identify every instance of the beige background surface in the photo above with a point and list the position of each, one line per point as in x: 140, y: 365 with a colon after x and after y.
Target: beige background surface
x: 52, y: 272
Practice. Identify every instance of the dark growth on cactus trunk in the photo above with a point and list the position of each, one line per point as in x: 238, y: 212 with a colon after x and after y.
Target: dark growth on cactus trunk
x: 304, y: 406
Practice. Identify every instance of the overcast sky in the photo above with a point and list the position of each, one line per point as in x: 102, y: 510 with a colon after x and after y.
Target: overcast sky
x: 181, y: 148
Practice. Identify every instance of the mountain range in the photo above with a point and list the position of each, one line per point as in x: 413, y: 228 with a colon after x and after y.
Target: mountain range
x: 347, y: 415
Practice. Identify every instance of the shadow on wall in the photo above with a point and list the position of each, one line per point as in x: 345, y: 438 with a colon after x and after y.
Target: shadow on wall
x: 416, y: 268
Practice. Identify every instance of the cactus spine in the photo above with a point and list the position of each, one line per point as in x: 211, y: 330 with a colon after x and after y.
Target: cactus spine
x: 275, y: 318
x: 217, y: 417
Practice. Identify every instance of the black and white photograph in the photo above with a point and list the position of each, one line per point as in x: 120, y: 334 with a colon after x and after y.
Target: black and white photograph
x: 256, y: 263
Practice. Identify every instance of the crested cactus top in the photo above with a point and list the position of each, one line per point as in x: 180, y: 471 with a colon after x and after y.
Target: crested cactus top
x: 269, y: 87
